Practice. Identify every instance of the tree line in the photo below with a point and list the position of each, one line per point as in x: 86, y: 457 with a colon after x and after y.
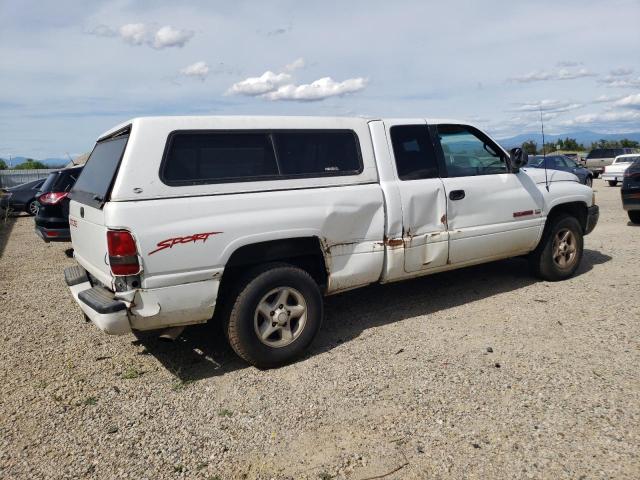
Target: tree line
x: 570, y: 144
x: 28, y: 164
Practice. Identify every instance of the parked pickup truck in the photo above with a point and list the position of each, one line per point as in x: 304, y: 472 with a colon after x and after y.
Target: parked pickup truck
x: 599, y: 158
x: 251, y: 220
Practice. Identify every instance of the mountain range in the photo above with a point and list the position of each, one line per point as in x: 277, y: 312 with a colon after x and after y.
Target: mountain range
x: 584, y: 137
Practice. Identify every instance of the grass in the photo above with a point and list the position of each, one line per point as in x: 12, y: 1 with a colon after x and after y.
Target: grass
x: 223, y: 412
x: 90, y: 401
x: 181, y: 385
x: 130, y: 373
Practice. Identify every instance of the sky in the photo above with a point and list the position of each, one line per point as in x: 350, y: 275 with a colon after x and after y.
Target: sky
x: 70, y: 70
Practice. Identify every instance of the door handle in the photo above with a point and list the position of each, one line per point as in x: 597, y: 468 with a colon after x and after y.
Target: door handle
x: 456, y: 195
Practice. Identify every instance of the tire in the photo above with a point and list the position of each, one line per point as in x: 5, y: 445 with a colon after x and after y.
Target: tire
x: 568, y: 254
x: 612, y: 183
x: 271, y: 299
x: 634, y: 216
x: 32, y: 207
x: 589, y: 181
x: 596, y: 174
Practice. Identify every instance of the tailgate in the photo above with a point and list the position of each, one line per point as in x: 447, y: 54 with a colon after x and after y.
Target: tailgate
x: 89, y: 239
x: 87, y: 207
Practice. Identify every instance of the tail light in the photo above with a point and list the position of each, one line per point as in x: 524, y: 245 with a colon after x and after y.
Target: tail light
x: 123, y: 255
x: 52, y: 198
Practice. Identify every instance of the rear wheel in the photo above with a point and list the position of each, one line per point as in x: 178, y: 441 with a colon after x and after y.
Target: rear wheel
x: 596, y: 174
x: 612, y: 183
x: 275, y: 316
x: 634, y: 216
x: 559, y: 253
x: 32, y: 207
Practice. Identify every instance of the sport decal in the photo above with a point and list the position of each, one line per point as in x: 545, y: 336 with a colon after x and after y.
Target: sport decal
x: 170, y: 242
x: 526, y: 213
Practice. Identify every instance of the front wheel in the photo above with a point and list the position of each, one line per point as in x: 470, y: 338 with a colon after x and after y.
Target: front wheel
x: 612, y: 183
x: 634, y: 216
x: 276, y: 315
x: 559, y: 253
x: 589, y: 182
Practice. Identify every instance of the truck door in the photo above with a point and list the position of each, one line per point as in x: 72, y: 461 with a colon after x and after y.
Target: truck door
x: 491, y: 211
x: 422, y: 194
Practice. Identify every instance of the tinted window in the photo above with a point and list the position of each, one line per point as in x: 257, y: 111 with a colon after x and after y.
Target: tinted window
x: 605, y: 153
x: 413, y: 152
x: 468, y: 153
x: 61, y: 181
x: 210, y: 157
x: 94, y: 183
x: 317, y: 153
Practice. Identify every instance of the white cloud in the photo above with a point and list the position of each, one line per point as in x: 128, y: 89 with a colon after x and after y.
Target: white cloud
x: 548, y: 106
x: 621, y: 72
x: 143, y: 34
x: 168, y: 36
x: 254, y: 86
x: 134, y: 33
x: 606, y: 99
x: 617, y: 82
x: 319, y: 90
x: 295, y: 65
x: 534, y: 76
x: 611, y: 118
x: 560, y: 74
x: 564, y: 74
x: 632, y: 101
x: 199, y: 70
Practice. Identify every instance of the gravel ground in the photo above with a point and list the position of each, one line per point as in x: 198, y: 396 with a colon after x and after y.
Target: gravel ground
x: 479, y: 373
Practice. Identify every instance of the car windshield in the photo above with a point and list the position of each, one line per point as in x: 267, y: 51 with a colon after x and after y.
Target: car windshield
x: 538, y: 161
x: 627, y: 159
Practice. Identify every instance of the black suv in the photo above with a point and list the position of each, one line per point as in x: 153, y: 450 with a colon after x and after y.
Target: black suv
x: 630, y: 191
x: 52, y: 220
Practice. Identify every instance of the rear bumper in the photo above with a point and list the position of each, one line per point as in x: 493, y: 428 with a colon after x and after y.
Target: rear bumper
x: 143, y: 309
x: 615, y: 177
x: 593, y: 214
x: 97, y: 303
x: 53, y: 234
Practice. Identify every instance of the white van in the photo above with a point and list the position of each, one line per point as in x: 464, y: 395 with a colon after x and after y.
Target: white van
x: 256, y: 218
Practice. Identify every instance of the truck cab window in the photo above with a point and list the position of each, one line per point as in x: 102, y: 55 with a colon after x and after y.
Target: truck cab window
x: 469, y: 153
x: 413, y: 152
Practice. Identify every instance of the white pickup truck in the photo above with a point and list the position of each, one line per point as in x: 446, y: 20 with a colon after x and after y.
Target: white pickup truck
x: 254, y: 219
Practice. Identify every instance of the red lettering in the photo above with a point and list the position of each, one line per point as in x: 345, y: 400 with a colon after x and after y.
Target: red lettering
x: 170, y: 242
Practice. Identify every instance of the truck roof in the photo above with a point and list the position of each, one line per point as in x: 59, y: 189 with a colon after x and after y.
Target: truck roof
x: 189, y: 121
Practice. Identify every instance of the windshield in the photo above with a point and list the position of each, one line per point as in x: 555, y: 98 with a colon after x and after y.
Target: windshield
x: 553, y: 161
x: 626, y: 159
x: 93, y: 185
x: 605, y: 153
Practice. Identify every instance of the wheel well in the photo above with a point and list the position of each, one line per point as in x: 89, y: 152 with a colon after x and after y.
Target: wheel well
x: 575, y: 209
x: 303, y: 252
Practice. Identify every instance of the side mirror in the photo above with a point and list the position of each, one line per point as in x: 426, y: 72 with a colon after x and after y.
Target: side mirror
x: 518, y: 159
